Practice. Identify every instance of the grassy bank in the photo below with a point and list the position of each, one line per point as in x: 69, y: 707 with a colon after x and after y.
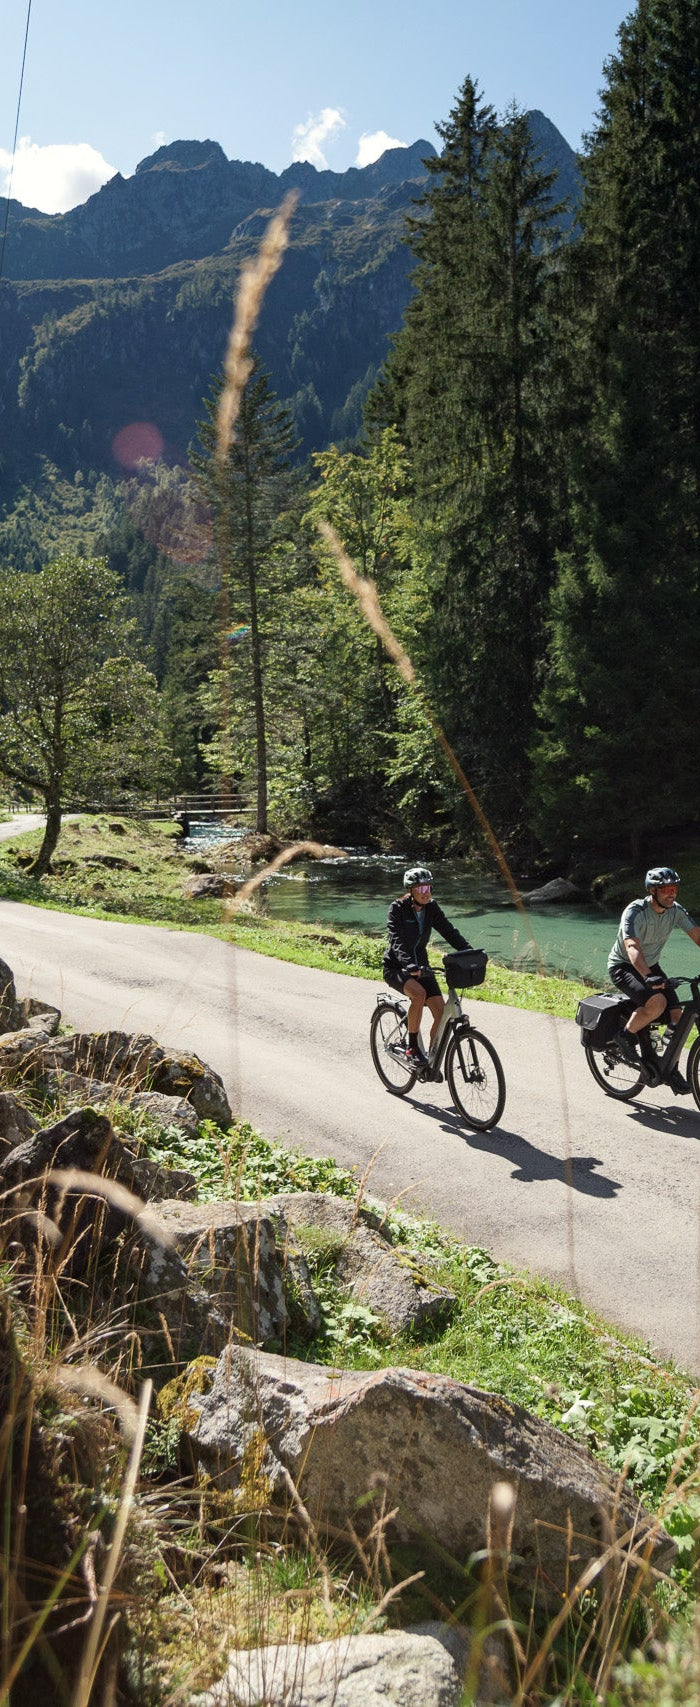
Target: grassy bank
x: 133, y: 870
x: 511, y: 1334
x: 202, y: 1573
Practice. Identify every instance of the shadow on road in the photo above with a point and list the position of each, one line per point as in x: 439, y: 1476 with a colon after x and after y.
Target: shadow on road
x: 529, y: 1163
x: 678, y: 1119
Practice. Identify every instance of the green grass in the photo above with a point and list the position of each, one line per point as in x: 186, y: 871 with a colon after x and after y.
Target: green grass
x: 152, y: 894
x: 512, y: 1332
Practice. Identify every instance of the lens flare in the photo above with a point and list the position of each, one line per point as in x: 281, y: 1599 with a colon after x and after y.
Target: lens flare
x: 140, y: 441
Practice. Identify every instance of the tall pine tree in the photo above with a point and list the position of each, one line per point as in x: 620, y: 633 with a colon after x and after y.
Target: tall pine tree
x: 624, y: 665
x: 472, y: 382
x: 248, y: 498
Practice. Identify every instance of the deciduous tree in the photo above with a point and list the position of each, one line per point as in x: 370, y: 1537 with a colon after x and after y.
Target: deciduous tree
x: 78, y: 710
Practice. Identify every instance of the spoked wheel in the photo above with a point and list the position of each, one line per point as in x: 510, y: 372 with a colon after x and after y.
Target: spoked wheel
x: 475, y: 1077
x: 387, y: 1040
x: 616, y: 1077
x: 694, y: 1070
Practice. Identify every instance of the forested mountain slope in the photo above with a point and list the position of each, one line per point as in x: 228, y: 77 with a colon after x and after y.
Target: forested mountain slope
x: 118, y: 311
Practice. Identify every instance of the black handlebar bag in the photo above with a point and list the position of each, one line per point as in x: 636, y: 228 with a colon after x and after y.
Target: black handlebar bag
x: 601, y: 1017
x: 465, y: 968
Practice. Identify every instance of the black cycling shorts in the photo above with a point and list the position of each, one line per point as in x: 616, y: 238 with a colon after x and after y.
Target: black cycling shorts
x: 639, y: 989
x: 396, y: 981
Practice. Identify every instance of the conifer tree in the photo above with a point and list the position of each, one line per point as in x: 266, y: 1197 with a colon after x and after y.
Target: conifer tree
x: 248, y: 498
x: 471, y: 377
x: 624, y: 667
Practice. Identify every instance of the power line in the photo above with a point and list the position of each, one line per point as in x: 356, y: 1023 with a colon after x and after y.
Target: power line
x: 14, y: 144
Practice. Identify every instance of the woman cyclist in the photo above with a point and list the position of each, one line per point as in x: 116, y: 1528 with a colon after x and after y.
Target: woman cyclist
x: 411, y: 920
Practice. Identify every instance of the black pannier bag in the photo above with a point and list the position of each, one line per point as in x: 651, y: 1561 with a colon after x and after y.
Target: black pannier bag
x: 600, y: 1017
x: 465, y: 968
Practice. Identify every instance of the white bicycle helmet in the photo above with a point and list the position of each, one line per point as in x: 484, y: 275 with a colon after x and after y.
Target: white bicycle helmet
x: 416, y: 874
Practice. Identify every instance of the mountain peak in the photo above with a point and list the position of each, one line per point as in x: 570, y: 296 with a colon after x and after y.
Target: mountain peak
x: 183, y: 157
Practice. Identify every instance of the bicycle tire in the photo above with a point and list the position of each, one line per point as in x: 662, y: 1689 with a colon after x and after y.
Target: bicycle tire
x: 694, y: 1070
x: 387, y: 1033
x: 479, y: 1095
x: 624, y: 1085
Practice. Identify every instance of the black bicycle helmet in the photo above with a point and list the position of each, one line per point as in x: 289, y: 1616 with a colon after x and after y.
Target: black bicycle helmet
x: 416, y: 874
x: 660, y: 874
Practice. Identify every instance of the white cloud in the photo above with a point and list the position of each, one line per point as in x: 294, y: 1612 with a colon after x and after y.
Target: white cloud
x: 53, y: 178
x: 374, y: 143
x: 310, y: 139
x: 159, y: 139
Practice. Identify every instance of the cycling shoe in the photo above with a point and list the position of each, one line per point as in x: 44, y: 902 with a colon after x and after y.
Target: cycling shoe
x: 678, y: 1082
x: 628, y: 1050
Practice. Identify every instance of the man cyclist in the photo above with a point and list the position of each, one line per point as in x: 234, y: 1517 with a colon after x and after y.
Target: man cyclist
x: 633, y: 964
x: 411, y: 920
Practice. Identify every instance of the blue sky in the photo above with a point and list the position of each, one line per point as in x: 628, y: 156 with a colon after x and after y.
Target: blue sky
x: 275, y: 80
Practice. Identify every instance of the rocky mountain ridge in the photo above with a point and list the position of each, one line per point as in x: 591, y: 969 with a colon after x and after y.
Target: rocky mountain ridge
x: 117, y: 312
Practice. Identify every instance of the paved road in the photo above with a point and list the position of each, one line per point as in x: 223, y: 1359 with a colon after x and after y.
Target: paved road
x: 600, y: 1196
x: 22, y: 821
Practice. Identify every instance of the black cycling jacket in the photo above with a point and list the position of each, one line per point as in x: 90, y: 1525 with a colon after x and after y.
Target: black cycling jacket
x: 408, y: 942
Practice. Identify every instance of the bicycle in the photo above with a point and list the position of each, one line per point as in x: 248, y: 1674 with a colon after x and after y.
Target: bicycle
x: 471, y: 1066
x: 619, y: 1078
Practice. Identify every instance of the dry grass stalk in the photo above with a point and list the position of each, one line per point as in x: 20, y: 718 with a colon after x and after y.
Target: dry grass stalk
x: 314, y: 850
x: 255, y: 277
x: 624, y: 1553
x: 94, y: 1646
x: 365, y: 592
x: 362, y: 1182
x: 90, y: 1383
x: 95, y: 1185
x: 368, y: 599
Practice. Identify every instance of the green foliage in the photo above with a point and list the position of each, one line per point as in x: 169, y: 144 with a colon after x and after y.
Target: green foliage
x: 248, y: 494
x: 635, y: 462
x: 78, y: 709
x: 241, y: 1163
x: 472, y: 383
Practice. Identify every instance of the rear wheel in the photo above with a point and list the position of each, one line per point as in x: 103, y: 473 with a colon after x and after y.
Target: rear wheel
x: 616, y: 1077
x: 475, y: 1077
x: 694, y: 1070
x: 388, y: 1039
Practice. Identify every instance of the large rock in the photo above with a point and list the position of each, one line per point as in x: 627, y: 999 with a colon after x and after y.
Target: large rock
x: 8, y: 999
x: 558, y: 889
x: 363, y: 1259
x: 428, y: 1446
x: 41, y: 1016
x: 16, y: 1121
x: 21, y: 1054
x: 399, y: 1668
x: 169, y: 1316
x: 84, y: 1141
x: 168, y: 1110
x: 232, y: 1250
x: 154, y: 1182
x: 208, y: 886
x: 123, y: 1059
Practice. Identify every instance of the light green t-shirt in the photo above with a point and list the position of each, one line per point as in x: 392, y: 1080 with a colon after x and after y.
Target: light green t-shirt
x: 651, y: 929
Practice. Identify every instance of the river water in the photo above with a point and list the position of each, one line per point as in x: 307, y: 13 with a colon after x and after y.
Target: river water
x: 355, y: 893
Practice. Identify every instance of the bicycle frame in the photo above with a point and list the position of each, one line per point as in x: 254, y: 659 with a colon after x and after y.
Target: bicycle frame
x: 451, y: 1012
x: 690, y: 1016
x: 451, y: 1015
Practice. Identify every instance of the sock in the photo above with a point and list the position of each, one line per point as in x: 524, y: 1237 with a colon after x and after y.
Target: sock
x: 413, y: 1040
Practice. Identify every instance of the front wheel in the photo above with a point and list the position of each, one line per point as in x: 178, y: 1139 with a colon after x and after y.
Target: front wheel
x: 616, y: 1077
x: 475, y: 1077
x: 694, y: 1070
x: 387, y: 1040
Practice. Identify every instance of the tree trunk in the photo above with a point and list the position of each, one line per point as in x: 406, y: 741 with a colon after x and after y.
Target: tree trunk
x: 258, y: 701
x: 51, y: 835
